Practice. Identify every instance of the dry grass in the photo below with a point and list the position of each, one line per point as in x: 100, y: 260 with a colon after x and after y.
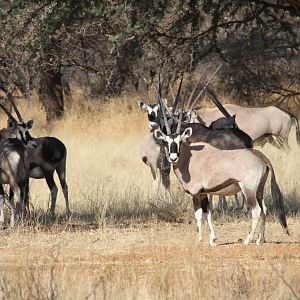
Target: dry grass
x: 120, y: 243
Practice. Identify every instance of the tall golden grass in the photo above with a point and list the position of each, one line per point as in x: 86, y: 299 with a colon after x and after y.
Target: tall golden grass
x: 104, y: 167
x: 114, y: 246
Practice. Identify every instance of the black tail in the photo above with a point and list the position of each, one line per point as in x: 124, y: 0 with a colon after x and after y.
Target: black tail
x: 278, y: 201
x: 296, y: 123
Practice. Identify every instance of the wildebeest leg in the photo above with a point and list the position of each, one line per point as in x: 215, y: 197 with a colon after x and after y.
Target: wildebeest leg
x: 53, y: 190
x: 61, y: 172
x: 2, y: 199
x: 250, y: 196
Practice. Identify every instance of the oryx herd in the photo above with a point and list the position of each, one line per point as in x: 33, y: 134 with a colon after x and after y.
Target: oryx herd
x: 211, y: 153
x: 22, y: 157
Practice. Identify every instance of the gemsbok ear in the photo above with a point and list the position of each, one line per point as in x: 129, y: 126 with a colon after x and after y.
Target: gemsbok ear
x: 159, y: 134
x: 29, y: 124
x: 142, y: 105
x: 11, y: 125
x: 186, y: 117
x: 186, y: 133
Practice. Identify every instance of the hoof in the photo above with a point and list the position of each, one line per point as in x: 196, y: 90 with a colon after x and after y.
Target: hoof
x: 247, y: 241
x: 260, y: 241
x: 212, y: 242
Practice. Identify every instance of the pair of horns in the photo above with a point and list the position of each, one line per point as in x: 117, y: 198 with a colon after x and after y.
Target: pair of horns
x: 164, y: 107
x: 217, y: 103
x: 11, y: 100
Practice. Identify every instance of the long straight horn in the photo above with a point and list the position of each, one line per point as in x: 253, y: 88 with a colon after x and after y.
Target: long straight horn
x: 159, y: 86
x: 162, y: 107
x: 217, y: 102
x: 172, y: 92
x: 11, y: 100
x: 192, y: 94
x: 177, y: 97
x: 179, y: 122
x: 204, y: 88
x: 157, y: 93
x: 145, y: 90
x: 8, y: 113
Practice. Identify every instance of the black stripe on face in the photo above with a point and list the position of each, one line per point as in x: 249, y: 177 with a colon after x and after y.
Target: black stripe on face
x: 173, y: 147
x: 152, y: 117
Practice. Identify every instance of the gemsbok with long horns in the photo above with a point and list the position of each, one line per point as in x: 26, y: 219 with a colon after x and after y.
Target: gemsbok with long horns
x: 14, y: 167
x: 204, y: 169
x: 152, y: 152
x: 263, y: 124
x: 48, y: 155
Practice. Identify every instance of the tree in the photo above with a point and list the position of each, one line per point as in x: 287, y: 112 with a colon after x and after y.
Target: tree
x: 110, y: 45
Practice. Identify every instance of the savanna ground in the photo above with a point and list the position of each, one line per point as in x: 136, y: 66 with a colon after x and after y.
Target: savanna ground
x: 122, y: 243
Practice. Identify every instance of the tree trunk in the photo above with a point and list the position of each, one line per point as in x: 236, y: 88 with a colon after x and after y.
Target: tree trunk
x: 51, y: 94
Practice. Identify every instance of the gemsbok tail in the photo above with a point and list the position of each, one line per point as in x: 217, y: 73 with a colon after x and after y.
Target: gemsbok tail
x: 276, y: 193
x: 296, y: 123
x: 278, y: 201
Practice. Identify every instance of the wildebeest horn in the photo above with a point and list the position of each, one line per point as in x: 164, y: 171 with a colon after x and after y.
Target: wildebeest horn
x: 204, y: 88
x: 8, y: 113
x: 11, y: 100
x: 177, y: 97
x: 179, y: 122
x: 217, y: 102
x: 162, y: 107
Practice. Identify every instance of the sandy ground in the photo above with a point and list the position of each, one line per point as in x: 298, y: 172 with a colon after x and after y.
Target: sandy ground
x: 147, y: 246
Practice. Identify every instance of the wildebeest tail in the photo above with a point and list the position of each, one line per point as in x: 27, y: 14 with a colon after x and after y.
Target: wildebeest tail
x: 278, y: 200
x: 296, y: 123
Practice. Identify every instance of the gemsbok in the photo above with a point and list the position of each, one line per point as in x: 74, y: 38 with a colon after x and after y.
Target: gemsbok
x: 48, y: 155
x: 263, y: 124
x: 153, y: 154
x: 14, y: 168
x: 204, y: 169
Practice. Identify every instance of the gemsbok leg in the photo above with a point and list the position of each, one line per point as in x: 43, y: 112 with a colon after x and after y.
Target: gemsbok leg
x: 61, y: 172
x: 202, y: 208
x: 2, y: 199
